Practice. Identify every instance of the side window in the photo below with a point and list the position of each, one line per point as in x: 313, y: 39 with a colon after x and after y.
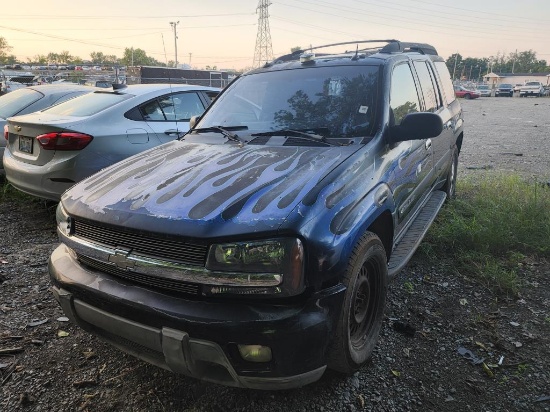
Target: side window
x: 445, y: 78
x: 185, y: 106
x: 431, y: 103
x: 403, y: 95
x: 152, y: 111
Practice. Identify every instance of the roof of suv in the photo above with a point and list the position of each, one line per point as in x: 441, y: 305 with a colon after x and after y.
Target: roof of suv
x: 370, y: 55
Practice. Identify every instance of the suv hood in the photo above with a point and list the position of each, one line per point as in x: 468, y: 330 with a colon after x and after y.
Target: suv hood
x: 183, y: 188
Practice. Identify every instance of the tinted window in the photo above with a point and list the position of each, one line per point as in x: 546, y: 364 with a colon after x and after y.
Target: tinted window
x: 427, y: 86
x: 403, y: 95
x: 174, y: 107
x: 13, y: 102
x: 332, y: 101
x: 445, y: 78
x: 88, y: 104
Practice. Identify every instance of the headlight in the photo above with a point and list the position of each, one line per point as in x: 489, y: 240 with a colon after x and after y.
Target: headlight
x: 249, y: 262
x: 63, y: 221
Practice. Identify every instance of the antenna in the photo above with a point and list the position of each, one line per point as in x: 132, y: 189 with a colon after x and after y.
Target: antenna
x: 263, y: 52
x: 164, y: 47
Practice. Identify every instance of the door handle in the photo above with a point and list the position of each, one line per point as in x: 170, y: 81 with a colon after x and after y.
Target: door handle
x: 428, y: 144
x: 171, y: 132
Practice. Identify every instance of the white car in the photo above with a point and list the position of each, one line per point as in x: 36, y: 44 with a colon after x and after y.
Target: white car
x: 483, y: 90
x: 49, y: 151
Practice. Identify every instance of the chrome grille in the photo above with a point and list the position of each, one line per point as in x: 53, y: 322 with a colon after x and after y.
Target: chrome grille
x: 143, y: 243
x: 163, y: 283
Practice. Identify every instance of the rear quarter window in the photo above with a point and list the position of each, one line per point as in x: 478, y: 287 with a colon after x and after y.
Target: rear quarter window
x: 88, y: 105
x: 445, y: 78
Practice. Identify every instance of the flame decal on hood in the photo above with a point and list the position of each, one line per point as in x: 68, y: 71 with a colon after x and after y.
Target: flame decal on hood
x: 205, y: 182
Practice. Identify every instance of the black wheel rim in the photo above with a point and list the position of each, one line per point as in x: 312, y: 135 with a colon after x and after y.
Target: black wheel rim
x: 364, y: 304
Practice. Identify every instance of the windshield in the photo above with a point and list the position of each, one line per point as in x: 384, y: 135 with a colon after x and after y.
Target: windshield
x: 505, y: 85
x: 483, y: 87
x: 13, y: 102
x: 532, y: 83
x: 335, y: 101
x: 88, y: 104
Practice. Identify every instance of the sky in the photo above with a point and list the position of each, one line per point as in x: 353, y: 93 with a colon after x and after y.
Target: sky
x: 223, y: 33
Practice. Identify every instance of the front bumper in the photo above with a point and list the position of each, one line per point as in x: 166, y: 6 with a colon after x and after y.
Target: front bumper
x: 199, y: 338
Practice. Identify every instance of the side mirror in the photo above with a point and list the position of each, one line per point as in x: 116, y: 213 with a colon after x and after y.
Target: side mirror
x: 193, y: 121
x: 417, y: 126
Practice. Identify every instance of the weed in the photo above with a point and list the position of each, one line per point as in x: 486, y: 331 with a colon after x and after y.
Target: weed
x: 494, y: 224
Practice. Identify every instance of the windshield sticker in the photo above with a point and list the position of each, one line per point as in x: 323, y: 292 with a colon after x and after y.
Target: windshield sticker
x: 363, y: 109
x: 335, y: 87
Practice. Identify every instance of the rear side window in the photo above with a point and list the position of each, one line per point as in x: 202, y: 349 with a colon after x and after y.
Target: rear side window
x: 88, y: 105
x: 174, y: 107
x: 429, y: 90
x: 445, y: 78
x: 13, y: 102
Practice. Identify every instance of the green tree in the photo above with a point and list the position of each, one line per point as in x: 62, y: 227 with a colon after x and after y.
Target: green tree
x: 138, y: 57
x: 41, y: 59
x: 65, y: 57
x: 4, y: 49
x: 98, y: 57
x: 295, y: 49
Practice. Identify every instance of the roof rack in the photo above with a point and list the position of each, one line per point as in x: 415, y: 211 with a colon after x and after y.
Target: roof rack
x: 392, y: 46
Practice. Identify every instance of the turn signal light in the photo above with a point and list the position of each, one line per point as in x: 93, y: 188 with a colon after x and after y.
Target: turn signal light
x: 64, y: 141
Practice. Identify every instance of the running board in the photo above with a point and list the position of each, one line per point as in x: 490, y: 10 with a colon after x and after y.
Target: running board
x: 408, y: 244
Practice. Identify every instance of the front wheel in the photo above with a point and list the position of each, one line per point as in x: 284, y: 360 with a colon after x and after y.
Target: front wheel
x: 467, y: 96
x: 360, y: 319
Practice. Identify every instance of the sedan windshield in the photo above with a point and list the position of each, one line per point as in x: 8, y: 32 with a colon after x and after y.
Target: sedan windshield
x: 332, y: 101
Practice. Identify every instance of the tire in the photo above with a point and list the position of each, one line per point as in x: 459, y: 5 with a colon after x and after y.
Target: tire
x: 450, y: 184
x: 467, y: 96
x: 360, y: 319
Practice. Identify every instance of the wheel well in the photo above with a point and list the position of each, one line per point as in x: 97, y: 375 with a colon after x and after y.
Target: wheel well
x: 383, y: 228
x: 459, y: 141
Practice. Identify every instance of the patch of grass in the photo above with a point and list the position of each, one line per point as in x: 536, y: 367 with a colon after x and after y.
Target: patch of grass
x: 493, y: 225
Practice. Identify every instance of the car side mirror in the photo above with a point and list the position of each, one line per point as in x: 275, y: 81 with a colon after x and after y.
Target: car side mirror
x: 416, y: 126
x: 193, y: 121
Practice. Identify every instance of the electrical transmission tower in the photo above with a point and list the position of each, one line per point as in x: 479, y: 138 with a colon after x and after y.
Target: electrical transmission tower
x: 263, y: 52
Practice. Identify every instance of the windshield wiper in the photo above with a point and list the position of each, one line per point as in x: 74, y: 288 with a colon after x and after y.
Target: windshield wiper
x: 226, y: 131
x: 302, y: 134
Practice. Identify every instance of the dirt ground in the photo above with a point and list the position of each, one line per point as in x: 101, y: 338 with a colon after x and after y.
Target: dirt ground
x: 438, y: 323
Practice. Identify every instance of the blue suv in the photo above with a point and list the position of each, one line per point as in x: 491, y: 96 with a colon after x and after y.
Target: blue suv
x: 256, y: 250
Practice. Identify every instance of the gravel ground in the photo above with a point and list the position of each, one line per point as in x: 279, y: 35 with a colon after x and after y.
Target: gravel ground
x: 55, y: 366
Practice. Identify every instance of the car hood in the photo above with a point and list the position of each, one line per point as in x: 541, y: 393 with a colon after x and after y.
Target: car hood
x: 204, y: 190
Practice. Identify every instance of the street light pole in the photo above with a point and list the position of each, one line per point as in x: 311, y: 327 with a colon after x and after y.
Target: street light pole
x: 174, y: 24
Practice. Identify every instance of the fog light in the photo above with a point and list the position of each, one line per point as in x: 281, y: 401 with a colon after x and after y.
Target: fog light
x: 255, y: 353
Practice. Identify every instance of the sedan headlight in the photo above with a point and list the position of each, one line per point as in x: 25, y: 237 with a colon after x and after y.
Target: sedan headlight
x: 63, y: 221
x: 257, y: 262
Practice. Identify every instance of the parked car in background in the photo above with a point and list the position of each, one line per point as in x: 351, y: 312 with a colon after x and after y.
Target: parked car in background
x: 483, y: 90
x: 532, y: 89
x: 33, y: 98
x: 504, y: 89
x: 256, y: 251
x: 49, y: 151
x: 461, y: 91
x: 517, y: 87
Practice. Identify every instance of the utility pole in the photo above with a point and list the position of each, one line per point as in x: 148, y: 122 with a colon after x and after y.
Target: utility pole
x: 190, y: 59
x: 174, y: 24
x: 263, y: 52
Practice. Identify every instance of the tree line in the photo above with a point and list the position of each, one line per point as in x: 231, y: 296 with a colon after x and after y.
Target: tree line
x: 469, y: 68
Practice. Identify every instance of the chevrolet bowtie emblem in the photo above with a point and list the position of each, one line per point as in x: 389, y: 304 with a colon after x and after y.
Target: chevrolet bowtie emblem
x: 121, y: 260
x: 17, y: 128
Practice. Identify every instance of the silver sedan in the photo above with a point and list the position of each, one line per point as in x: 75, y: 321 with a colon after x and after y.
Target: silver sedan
x: 49, y: 151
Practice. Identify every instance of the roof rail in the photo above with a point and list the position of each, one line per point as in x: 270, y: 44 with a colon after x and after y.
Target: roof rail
x: 392, y: 46
x: 403, y: 47
x: 294, y: 55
